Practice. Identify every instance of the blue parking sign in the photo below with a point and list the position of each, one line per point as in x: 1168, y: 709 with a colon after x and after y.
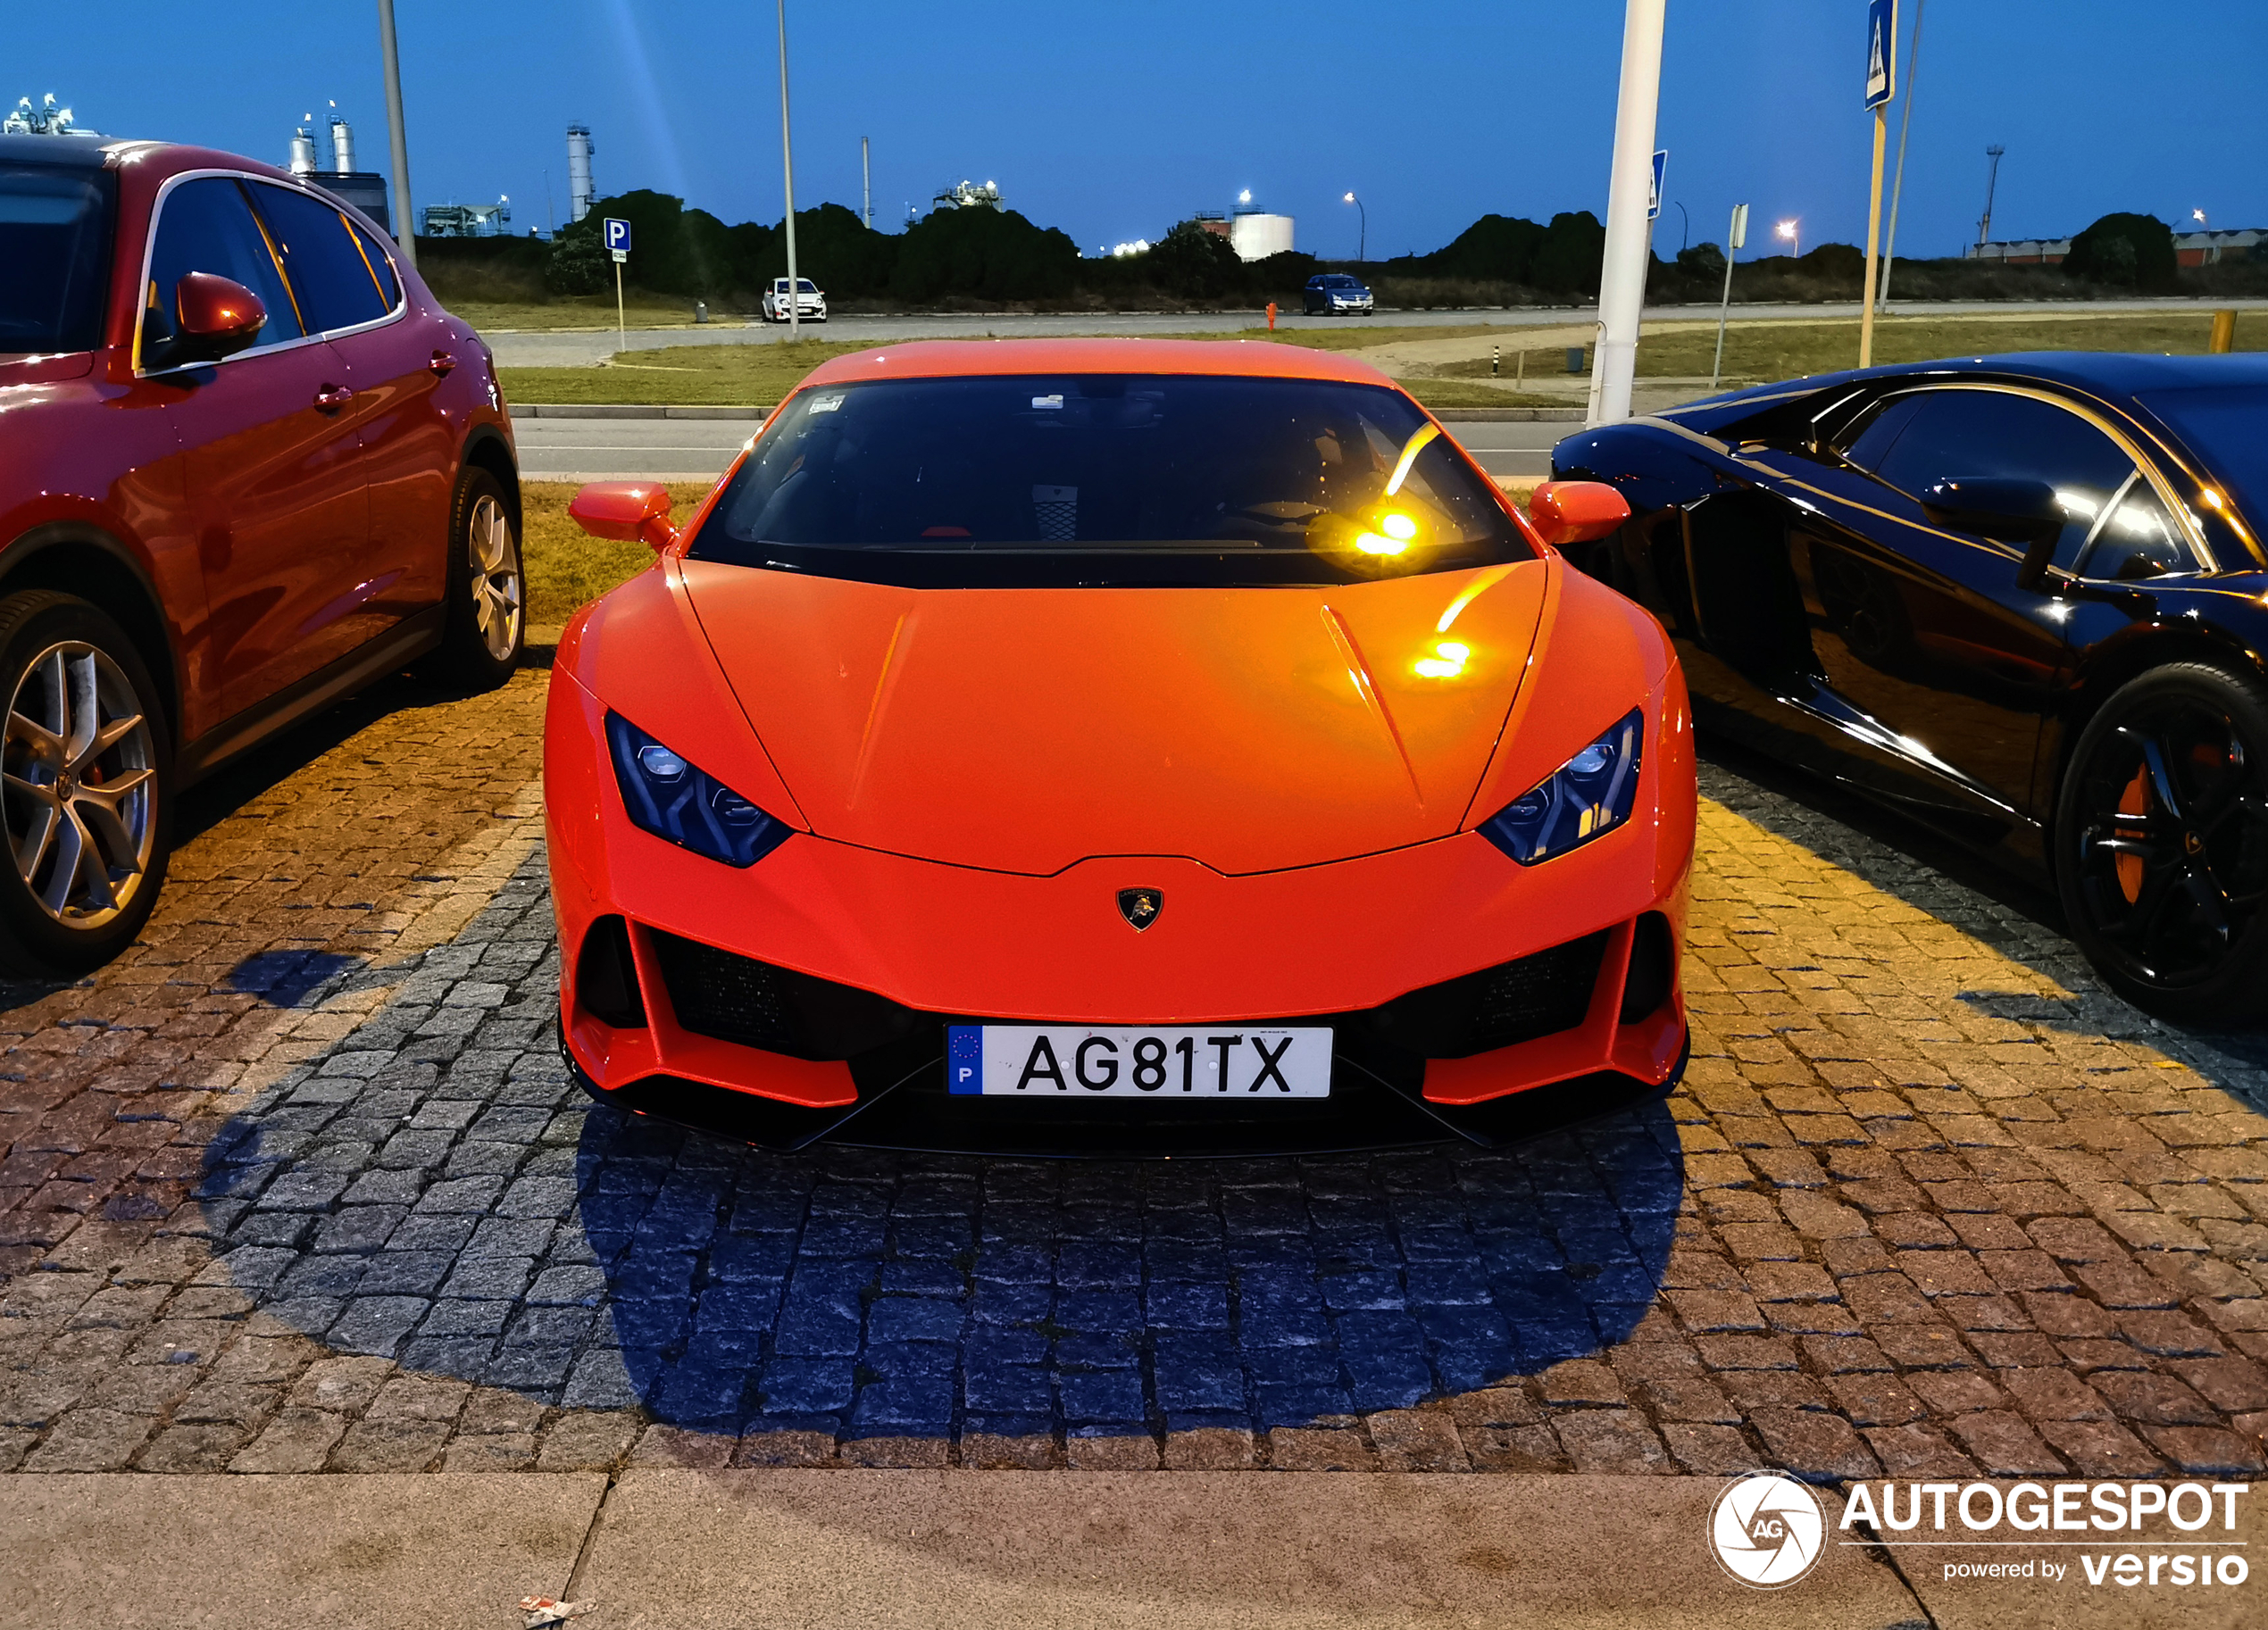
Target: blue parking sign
x: 618, y: 235
x: 1881, y: 51
x: 1653, y: 192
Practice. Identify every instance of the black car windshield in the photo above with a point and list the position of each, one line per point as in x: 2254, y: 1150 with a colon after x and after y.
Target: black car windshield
x: 1106, y: 480
x: 2227, y: 426
x: 55, y: 246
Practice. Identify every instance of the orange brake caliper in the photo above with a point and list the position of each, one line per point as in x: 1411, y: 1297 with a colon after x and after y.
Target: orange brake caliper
x: 2134, y: 800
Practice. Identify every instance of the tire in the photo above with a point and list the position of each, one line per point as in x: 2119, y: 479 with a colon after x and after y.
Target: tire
x: 488, y: 622
x: 97, y: 822
x: 2160, y: 843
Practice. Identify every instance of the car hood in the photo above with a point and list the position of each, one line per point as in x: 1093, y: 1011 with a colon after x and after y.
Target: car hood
x: 1025, y: 729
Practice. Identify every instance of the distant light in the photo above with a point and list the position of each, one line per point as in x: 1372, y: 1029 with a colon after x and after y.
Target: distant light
x: 1370, y: 543
x: 1786, y: 229
x: 1398, y: 526
x: 1246, y: 197
x: 1350, y: 198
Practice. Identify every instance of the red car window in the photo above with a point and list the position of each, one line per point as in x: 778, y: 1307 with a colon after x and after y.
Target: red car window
x: 381, y: 265
x: 204, y: 225
x: 336, y: 286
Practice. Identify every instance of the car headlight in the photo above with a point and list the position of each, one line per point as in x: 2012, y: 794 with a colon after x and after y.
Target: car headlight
x: 1592, y: 792
x: 667, y: 797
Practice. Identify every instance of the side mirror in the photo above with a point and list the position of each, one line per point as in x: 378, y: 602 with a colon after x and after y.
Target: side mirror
x: 627, y: 512
x: 1565, y: 513
x: 213, y: 317
x: 2003, y: 507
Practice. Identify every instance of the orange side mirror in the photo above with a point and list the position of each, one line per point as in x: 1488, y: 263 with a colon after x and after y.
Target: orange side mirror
x: 1565, y: 513
x: 627, y: 512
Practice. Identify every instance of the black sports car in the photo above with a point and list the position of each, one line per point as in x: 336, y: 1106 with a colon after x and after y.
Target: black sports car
x: 2020, y: 597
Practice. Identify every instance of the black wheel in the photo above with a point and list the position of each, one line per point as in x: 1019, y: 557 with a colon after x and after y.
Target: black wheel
x: 2162, y: 842
x: 487, y: 618
x: 86, y: 786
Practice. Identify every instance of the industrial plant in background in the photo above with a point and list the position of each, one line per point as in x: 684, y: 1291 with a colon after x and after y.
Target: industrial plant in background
x: 581, y: 194
x: 1252, y: 232
x: 967, y: 196
x: 44, y: 120
x: 364, y: 189
x: 464, y: 219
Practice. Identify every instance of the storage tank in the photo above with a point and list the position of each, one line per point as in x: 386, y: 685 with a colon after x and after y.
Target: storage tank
x: 342, y: 146
x: 580, y: 193
x: 1255, y: 235
x: 303, y: 152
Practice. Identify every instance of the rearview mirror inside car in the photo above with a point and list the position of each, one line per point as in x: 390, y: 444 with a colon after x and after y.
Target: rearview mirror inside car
x: 2004, y: 507
x: 1565, y: 513
x: 213, y: 317
x: 626, y: 511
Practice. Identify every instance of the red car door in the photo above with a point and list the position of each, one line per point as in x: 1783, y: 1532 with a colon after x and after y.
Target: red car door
x: 274, y: 479
x: 396, y: 355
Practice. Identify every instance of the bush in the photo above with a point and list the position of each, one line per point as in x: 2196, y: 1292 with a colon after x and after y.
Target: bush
x: 578, y: 265
x: 2126, y: 251
x: 1195, y: 264
x: 1569, y: 256
x: 993, y: 255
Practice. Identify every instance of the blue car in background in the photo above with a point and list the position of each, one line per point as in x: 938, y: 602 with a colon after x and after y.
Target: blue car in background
x: 1335, y: 294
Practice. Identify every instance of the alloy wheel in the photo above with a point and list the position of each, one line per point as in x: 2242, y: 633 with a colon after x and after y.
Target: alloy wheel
x: 77, y: 783
x: 493, y: 576
x: 2173, y: 841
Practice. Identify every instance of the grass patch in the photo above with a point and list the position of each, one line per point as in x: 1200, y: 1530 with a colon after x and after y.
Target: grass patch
x: 759, y: 375
x: 574, y: 311
x: 565, y: 566
x: 1771, y: 351
x: 732, y: 375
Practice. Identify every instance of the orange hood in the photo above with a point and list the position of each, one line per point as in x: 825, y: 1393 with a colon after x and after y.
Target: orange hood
x: 1024, y: 730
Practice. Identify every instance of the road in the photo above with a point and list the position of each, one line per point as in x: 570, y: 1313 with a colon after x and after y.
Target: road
x: 580, y: 349
x: 697, y: 449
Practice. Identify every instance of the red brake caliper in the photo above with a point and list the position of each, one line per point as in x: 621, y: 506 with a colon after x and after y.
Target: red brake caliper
x: 2134, y: 800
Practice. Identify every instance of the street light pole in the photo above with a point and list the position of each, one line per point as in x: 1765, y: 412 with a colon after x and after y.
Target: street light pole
x: 788, y: 164
x: 1363, y: 241
x: 405, y: 222
x: 1622, y: 281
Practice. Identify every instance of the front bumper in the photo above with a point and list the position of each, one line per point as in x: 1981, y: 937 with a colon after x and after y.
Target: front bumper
x: 807, y: 996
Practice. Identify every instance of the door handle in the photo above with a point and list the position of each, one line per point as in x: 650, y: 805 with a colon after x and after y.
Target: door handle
x: 333, y: 397
x: 442, y: 360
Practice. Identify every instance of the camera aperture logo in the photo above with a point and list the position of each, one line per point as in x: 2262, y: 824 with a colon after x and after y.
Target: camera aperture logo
x: 1766, y: 1530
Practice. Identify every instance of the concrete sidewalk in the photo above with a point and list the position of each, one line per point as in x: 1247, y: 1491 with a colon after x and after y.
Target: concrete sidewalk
x: 881, y: 1549
x: 1192, y: 1551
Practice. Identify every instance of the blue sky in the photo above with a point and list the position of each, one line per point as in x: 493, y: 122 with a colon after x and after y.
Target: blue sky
x: 1112, y: 121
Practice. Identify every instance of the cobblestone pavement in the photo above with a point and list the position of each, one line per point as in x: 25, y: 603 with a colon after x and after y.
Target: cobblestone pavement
x: 300, y: 1184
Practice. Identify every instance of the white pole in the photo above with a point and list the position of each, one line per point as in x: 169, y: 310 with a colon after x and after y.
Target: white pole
x: 788, y: 162
x: 1621, y: 280
x: 1904, y: 123
x: 866, y: 182
x: 405, y: 222
x: 1736, y: 235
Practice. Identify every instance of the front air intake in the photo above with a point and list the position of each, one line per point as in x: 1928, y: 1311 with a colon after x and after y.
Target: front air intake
x: 1497, y: 1007
x: 606, y: 979
x: 732, y: 998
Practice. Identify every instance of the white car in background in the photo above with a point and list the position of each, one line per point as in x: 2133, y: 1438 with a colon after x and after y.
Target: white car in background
x: 811, y: 305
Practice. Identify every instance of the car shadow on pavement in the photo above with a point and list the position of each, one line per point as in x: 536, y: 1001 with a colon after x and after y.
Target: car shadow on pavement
x: 864, y: 1294
x: 432, y: 1189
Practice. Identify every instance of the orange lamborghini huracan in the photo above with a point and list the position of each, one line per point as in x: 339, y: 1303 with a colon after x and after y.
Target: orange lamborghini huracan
x: 1115, y: 746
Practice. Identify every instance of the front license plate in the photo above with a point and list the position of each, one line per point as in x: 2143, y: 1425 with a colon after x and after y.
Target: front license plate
x: 1138, y: 1061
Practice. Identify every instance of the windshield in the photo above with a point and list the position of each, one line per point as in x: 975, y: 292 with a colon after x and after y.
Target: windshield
x: 54, y: 258
x: 1107, y: 479
x: 2227, y: 426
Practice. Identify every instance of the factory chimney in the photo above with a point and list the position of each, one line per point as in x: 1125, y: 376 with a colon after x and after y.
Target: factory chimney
x: 303, y: 149
x: 342, y: 146
x: 581, y: 192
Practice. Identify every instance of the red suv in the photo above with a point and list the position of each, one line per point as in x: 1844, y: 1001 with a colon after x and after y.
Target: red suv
x: 247, y: 465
